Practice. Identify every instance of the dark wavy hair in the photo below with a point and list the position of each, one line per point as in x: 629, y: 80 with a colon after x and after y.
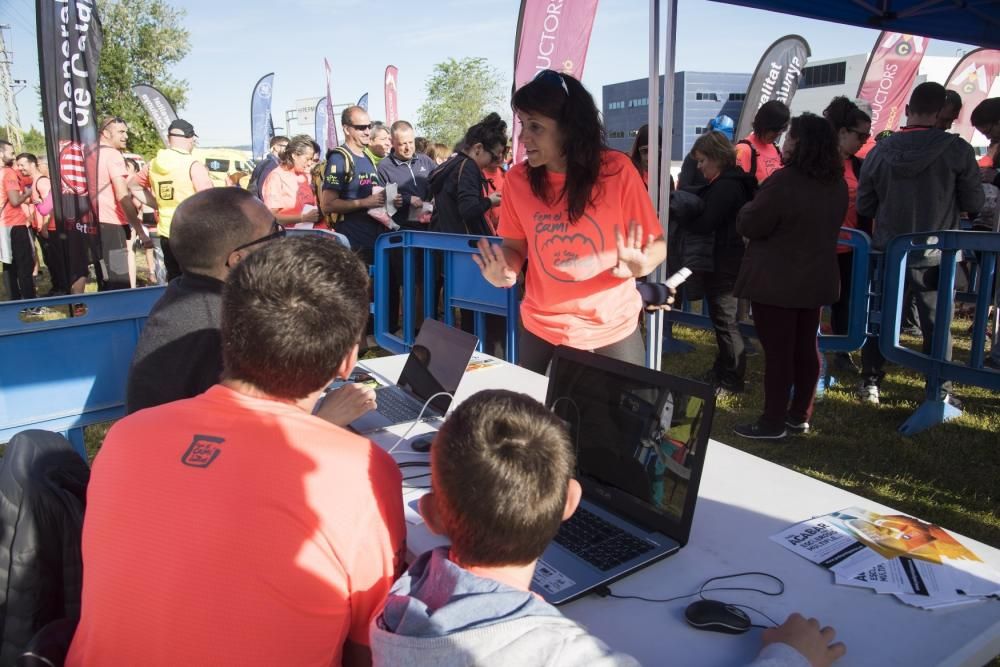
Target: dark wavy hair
x: 564, y: 99
x: 489, y: 132
x: 843, y: 113
x: 817, y: 149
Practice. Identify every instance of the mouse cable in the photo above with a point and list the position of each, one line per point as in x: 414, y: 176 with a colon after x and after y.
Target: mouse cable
x: 605, y: 591
x: 419, y: 417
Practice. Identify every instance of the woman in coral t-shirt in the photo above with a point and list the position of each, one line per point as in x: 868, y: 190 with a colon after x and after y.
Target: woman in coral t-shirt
x: 287, y: 190
x: 578, y: 214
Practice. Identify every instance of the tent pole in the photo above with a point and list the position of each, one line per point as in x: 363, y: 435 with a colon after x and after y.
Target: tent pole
x: 660, y: 175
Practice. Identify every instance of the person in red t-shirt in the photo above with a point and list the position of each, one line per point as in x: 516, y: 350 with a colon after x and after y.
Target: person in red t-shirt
x: 17, y: 252
x: 853, y: 127
x: 756, y: 153
x: 235, y: 527
x: 579, y: 215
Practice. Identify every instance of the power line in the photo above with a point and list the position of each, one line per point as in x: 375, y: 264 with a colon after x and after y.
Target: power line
x: 8, y: 105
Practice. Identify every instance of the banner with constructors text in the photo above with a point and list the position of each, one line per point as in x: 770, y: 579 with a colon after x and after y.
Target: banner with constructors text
x: 331, y: 119
x: 973, y: 78
x: 160, y: 111
x: 391, y: 95
x: 261, y: 127
x: 889, y: 76
x: 551, y: 34
x: 70, y: 38
x: 776, y: 78
x: 319, y: 127
x: 363, y: 101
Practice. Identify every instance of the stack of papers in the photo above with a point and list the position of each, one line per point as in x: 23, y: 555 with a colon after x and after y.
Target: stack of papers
x: 919, y: 563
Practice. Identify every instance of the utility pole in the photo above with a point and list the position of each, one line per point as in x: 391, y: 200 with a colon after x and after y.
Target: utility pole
x: 8, y: 105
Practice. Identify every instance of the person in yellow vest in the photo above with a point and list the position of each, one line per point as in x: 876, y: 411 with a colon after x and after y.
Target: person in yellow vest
x: 174, y: 175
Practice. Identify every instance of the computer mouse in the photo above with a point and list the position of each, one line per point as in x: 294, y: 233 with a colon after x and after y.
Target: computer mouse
x: 717, y: 616
x: 422, y: 444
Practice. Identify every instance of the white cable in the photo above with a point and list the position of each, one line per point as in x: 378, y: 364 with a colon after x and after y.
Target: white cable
x: 419, y: 417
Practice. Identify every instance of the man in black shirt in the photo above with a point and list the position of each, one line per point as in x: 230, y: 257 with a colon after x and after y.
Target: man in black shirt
x: 179, y: 354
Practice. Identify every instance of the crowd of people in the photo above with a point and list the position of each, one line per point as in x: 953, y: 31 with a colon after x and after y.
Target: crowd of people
x: 287, y: 545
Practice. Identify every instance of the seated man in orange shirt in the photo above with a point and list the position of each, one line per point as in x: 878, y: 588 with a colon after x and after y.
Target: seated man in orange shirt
x: 235, y: 527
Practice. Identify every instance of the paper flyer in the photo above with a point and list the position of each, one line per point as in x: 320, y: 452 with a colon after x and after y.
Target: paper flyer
x: 921, y: 564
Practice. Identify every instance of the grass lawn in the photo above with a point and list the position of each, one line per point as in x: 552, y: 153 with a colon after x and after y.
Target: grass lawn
x: 949, y: 474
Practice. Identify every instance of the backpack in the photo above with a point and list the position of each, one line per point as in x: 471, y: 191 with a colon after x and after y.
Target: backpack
x: 753, y: 156
x: 334, y: 218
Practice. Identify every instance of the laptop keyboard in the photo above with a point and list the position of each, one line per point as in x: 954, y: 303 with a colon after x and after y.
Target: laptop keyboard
x: 396, y: 405
x: 600, y: 543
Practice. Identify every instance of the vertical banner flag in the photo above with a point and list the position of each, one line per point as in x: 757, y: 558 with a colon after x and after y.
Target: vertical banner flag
x: 889, y: 76
x: 776, y: 78
x: 331, y: 120
x: 70, y: 38
x: 363, y: 101
x: 550, y: 35
x: 260, y: 116
x: 973, y: 78
x: 391, y: 95
x: 319, y: 131
x: 160, y: 111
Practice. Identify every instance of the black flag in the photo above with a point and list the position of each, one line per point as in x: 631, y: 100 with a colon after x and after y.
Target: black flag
x: 776, y: 78
x: 160, y: 111
x: 69, y: 53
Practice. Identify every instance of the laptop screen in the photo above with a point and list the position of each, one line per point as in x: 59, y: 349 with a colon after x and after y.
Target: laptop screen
x: 640, y: 436
x: 437, y: 362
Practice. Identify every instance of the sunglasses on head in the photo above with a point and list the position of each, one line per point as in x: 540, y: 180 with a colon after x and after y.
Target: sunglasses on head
x: 112, y: 121
x: 552, y: 77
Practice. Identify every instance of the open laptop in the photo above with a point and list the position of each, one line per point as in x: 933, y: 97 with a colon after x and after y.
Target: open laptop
x: 640, y: 437
x: 436, y: 363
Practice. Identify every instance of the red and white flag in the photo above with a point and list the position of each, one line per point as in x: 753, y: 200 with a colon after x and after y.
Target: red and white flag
x: 973, y: 78
x: 889, y: 77
x: 391, y: 95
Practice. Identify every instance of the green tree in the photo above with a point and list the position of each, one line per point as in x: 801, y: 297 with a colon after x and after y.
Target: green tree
x: 142, y: 40
x: 34, y: 142
x: 458, y: 94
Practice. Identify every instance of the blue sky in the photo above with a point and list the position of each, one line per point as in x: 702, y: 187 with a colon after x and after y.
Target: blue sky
x: 234, y: 43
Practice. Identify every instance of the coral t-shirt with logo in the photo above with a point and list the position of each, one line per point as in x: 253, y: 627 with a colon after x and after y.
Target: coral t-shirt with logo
x: 227, y: 529
x: 571, y: 298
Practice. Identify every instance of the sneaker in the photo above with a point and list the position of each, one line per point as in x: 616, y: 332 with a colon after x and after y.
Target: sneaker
x: 793, y: 428
x: 760, y: 431
x: 953, y: 401
x: 869, y: 394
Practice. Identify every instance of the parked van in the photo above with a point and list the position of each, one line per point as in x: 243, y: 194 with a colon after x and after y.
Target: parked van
x: 224, y: 161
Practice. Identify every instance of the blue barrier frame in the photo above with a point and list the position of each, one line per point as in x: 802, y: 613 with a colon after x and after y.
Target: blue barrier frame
x: 47, y: 383
x: 934, y: 409
x: 464, y: 287
x: 857, y: 329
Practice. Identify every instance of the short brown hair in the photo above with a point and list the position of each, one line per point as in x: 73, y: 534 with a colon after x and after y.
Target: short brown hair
x: 715, y: 146
x: 501, y: 464
x: 291, y: 313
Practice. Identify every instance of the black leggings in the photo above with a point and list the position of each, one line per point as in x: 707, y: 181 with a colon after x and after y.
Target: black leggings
x: 535, y: 354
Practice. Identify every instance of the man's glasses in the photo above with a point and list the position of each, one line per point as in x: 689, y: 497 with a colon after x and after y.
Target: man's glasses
x: 361, y: 128
x: 553, y: 77
x: 277, y: 232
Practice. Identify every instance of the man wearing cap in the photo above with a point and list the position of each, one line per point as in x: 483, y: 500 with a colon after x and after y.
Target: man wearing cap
x: 115, y: 210
x: 175, y: 175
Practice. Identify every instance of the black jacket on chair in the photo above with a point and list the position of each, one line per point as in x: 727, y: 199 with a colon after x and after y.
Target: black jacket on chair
x: 43, y: 485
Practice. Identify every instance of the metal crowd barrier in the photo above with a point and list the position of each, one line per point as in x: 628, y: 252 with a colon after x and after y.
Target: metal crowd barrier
x: 462, y: 286
x: 935, y: 366
x: 64, y: 374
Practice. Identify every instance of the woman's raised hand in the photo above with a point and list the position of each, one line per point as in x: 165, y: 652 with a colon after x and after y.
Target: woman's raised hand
x: 633, y: 254
x: 493, y: 264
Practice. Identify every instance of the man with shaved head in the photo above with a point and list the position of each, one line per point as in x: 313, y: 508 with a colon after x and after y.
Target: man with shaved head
x: 179, y: 354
